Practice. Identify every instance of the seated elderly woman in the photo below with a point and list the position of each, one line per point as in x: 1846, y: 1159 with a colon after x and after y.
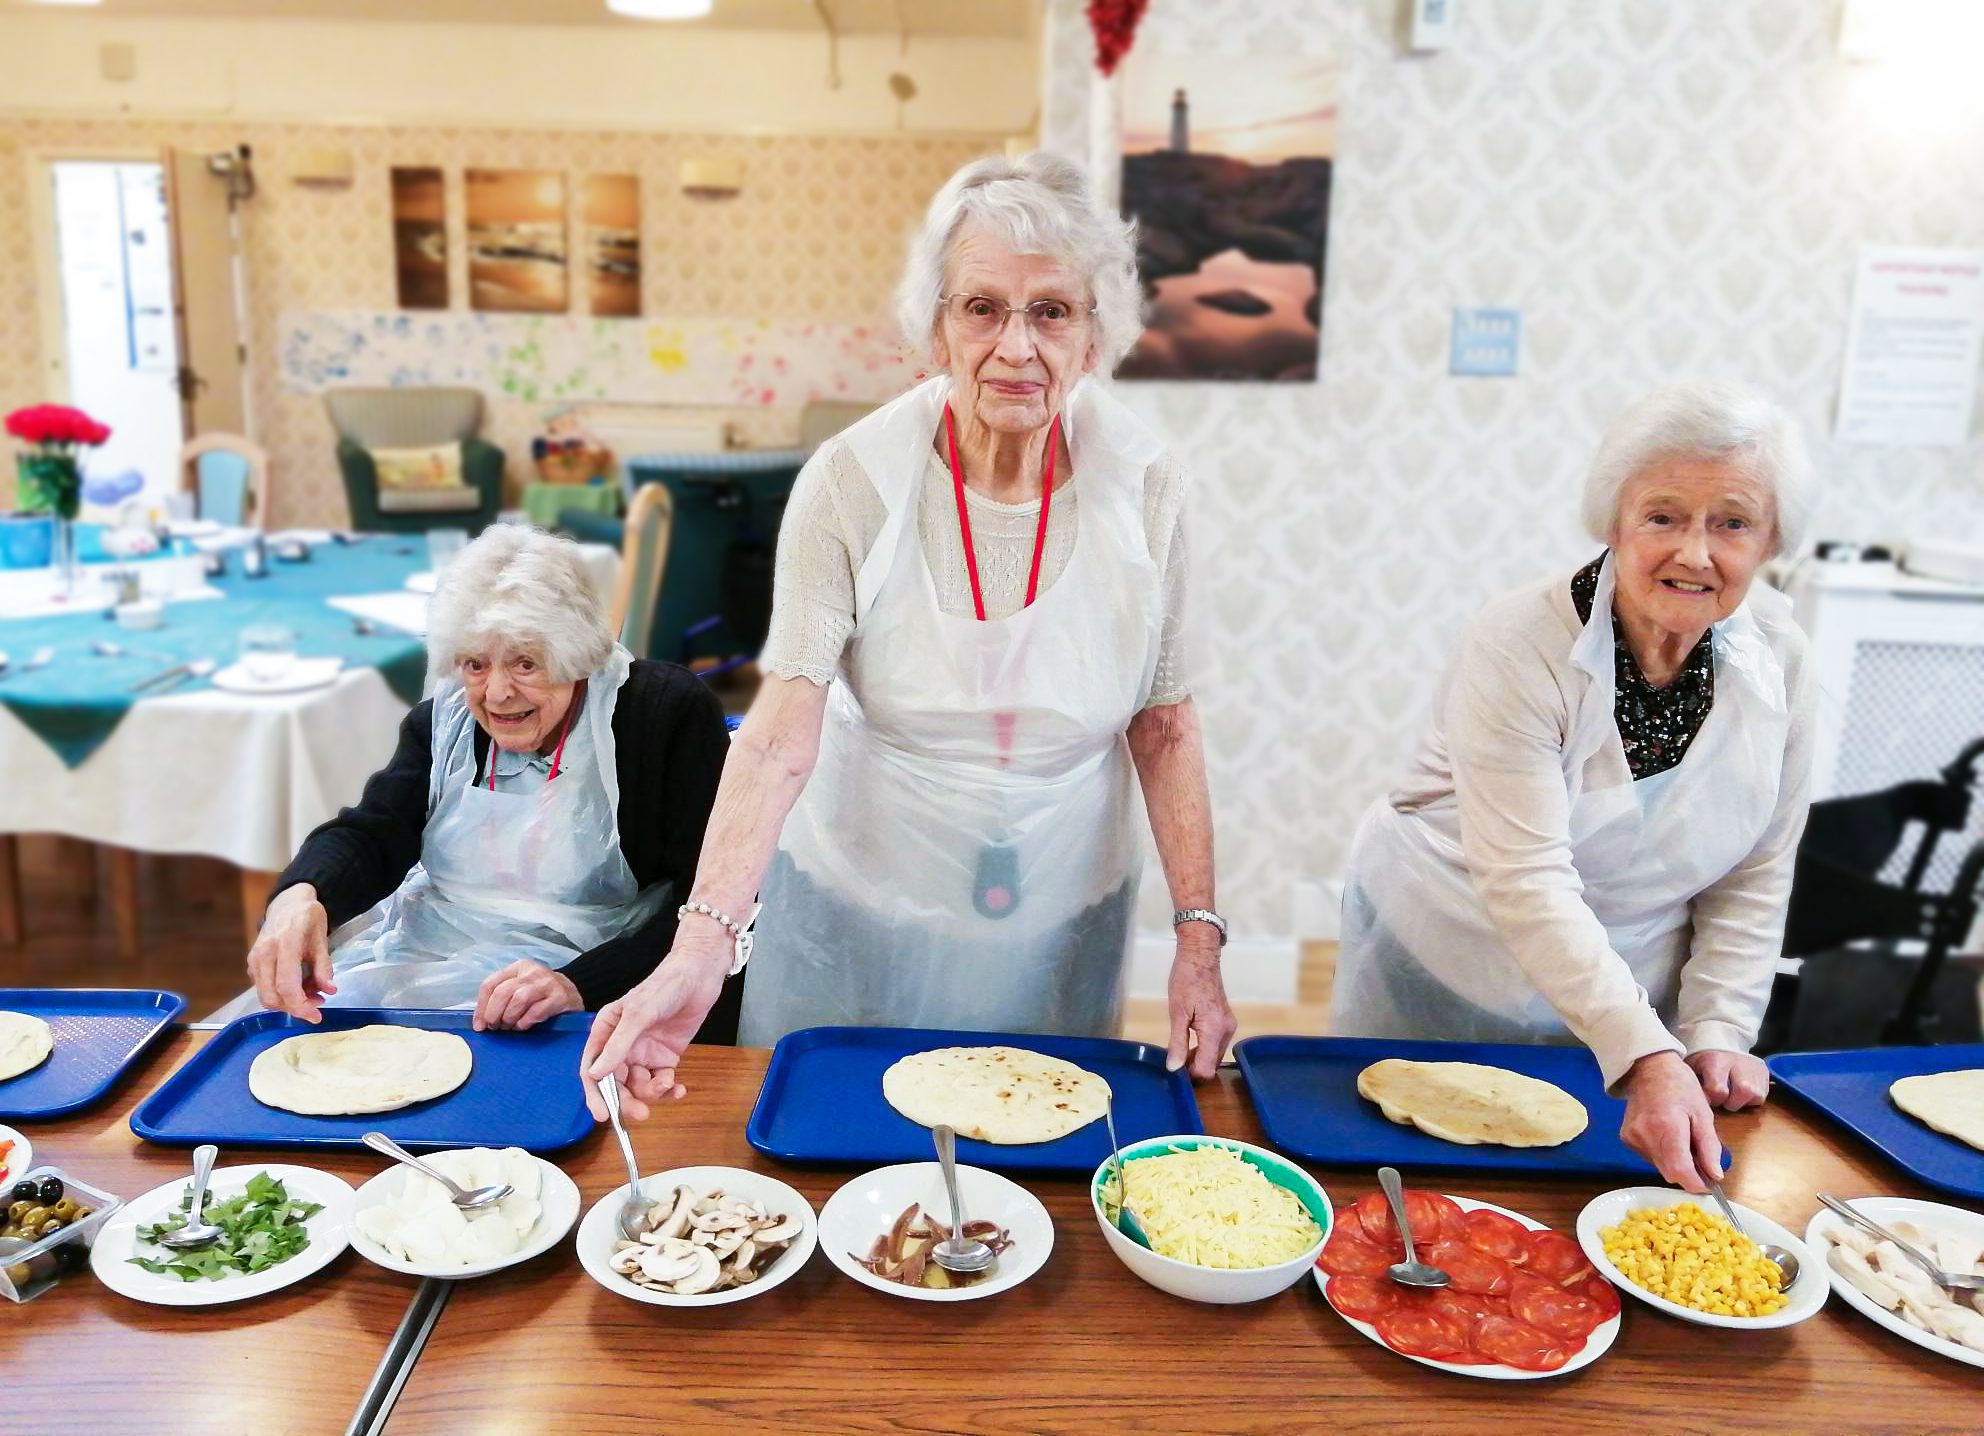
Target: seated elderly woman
x: 525, y: 848
x: 1595, y: 841
x: 974, y: 658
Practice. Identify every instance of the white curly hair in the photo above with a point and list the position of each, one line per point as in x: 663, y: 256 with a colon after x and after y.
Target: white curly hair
x: 1037, y: 204
x: 1705, y: 418
x: 517, y: 590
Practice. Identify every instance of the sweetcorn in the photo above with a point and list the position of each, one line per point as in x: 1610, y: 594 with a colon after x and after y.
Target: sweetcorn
x: 1694, y: 1259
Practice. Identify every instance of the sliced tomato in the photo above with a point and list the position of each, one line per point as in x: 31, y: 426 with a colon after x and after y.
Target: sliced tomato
x: 1423, y: 1332
x: 1550, y: 1308
x: 1499, y: 1236
x: 1518, y: 1344
x: 1366, y: 1298
x: 1348, y: 1254
x: 1556, y: 1256
x: 1598, y: 1290
x: 1471, y: 1269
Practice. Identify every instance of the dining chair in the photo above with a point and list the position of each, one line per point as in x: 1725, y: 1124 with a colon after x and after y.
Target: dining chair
x: 228, y: 477
x: 643, y: 561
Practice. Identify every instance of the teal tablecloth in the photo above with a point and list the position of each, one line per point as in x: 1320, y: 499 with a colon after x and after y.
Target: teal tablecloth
x: 76, y: 702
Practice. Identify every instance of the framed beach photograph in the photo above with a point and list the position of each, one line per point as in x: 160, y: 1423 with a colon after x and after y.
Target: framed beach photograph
x: 610, y: 240
x: 1226, y: 168
x: 420, y: 237
x: 516, y: 242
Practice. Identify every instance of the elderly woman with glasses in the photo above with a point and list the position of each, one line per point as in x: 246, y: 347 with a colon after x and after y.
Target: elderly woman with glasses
x: 974, y: 654
x: 1594, y: 843
x: 523, y: 852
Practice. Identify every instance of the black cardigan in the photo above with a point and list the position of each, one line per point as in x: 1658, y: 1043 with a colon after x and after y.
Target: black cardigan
x: 670, y: 739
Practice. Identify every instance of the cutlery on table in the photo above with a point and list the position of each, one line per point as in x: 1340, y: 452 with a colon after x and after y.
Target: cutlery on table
x: 1126, y: 1220
x: 468, y: 1199
x: 1411, y: 1271
x: 1948, y: 1280
x: 174, y: 676
x: 104, y: 648
x: 198, y: 1231
x: 40, y: 658
x: 957, y: 1252
x: 633, y: 1211
x: 1787, y: 1264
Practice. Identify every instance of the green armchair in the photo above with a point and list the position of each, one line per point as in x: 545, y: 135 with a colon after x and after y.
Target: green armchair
x: 368, y: 419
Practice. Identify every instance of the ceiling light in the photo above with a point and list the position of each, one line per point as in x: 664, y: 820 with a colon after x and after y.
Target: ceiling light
x: 65, y: 2
x: 660, y: 9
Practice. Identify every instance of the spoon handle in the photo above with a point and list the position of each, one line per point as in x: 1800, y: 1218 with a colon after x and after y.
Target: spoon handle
x: 1395, y: 1194
x: 1845, y: 1209
x: 1715, y: 1190
x: 203, y: 1168
x: 609, y: 1096
x: 386, y: 1146
x: 947, y: 1158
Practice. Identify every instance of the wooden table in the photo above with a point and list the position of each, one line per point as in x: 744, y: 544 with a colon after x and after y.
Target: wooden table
x: 81, y: 1359
x: 1086, y: 1347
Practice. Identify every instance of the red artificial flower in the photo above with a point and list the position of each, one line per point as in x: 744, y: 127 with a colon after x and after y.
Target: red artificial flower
x: 46, y: 424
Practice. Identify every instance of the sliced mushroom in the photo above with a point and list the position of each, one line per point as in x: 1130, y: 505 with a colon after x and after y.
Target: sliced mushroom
x: 720, y: 1222
x: 627, y: 1260
x: 726, y: 1243
x: 741, y: 1263
x: 676, y: 1220
x: 784, y: 1229
x: 661, y: 1266
x: 707, y: 1271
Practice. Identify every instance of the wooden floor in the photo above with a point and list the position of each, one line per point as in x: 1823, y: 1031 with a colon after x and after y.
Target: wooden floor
x: 191, y: 914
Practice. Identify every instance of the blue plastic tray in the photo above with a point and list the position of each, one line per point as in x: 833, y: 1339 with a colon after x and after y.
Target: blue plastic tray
x: 822, y: 1099
x: 522, y: 1092
x: 99, y: 1031
x: 1304, y: 1090
x: 1852, y: 1089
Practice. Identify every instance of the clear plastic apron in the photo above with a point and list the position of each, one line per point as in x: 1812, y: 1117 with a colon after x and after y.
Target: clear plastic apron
x: 501, y: 876
x: 1420, y: 956
x: 961, y: 758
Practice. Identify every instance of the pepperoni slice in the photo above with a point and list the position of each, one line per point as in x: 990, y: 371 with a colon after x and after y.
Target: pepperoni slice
x: 1518, y: 1344
x: 1556, y: 1256
x: 1348, y: 1254
x: 1499, y: 1236
x: 1472, y: 1270
x: 1550, y: 1308
x: 1598, y: 1290
x: 1374, y: 1215
x: 1434, y: 1217
x: 1421, y: 1331
x: 1467, y: 1306
x: 1364, y: 1297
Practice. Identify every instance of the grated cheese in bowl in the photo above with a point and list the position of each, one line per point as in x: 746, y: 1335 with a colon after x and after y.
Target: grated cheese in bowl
x: 1211, y: 1207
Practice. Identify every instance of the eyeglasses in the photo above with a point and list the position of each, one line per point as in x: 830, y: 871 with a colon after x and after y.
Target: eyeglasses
x: 980, y: 316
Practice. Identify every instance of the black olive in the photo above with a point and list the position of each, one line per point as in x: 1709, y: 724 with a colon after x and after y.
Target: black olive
x: 49, y: 1192
x: 25, y: 1191
x: 71, y: 1256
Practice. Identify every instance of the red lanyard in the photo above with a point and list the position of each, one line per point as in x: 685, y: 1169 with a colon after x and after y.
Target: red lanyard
x: 964, y: 515
x: 556, y: 758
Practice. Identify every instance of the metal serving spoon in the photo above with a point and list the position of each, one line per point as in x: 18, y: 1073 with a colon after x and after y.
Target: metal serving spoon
x: 957, y: 1252
x: 633, y: 1211
x: 468, y: 1200
x: 198, y: 1231
x: 1411, y: 1271
x: 1126, y: 1220
x: 1786, y: 1262
x: 1950, y: 1280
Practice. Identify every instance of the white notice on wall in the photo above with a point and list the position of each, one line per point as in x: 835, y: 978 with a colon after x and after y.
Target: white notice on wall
x: 1912, y: 347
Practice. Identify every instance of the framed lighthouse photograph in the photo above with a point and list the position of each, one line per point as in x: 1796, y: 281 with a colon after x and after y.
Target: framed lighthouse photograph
x: 1226, y: 169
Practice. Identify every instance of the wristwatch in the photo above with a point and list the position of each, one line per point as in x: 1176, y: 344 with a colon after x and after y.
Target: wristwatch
x: 1201, y: 914
x: 740, y: 932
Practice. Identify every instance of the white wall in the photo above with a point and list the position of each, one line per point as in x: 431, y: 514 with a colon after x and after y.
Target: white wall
x: 1663, y: 187
x: 524, y: 76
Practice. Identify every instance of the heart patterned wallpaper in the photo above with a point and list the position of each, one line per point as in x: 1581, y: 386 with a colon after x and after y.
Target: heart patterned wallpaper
x: 816, y: 236
x: 1662, y: 187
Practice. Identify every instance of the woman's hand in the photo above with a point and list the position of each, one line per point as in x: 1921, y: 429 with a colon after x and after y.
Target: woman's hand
x: 1668, y: 1122
x: 1198, y: 1005
x: 290, y: 963
x: 522, y: 995
x: 1731, y: 1080
x: 640, y: 1038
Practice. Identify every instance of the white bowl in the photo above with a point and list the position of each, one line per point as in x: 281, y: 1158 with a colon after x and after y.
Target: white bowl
x: 1806, y: 1296
x: 558, y: 1196
x: 141, y: 614
x: 868, y: 1206
x: 1887, y: 1211
x: 1211, y: 1284
x: 19, y: 1160
x: 601, y: 1229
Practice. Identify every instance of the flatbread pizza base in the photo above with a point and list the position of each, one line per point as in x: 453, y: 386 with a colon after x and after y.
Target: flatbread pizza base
x: 1007, y: 1095
x: 25, y: 1043
x: 377, y: 1068
x: 1473, y: 1105
x: 1950, y: 1102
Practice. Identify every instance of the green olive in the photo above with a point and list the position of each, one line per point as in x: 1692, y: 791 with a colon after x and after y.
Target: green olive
x: 18, y: 1275
x: 65, y: 1209
x: 34, y: 1217
x: 50, y: 1227
x: 82, y: 1212
x: 18, y: 1210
